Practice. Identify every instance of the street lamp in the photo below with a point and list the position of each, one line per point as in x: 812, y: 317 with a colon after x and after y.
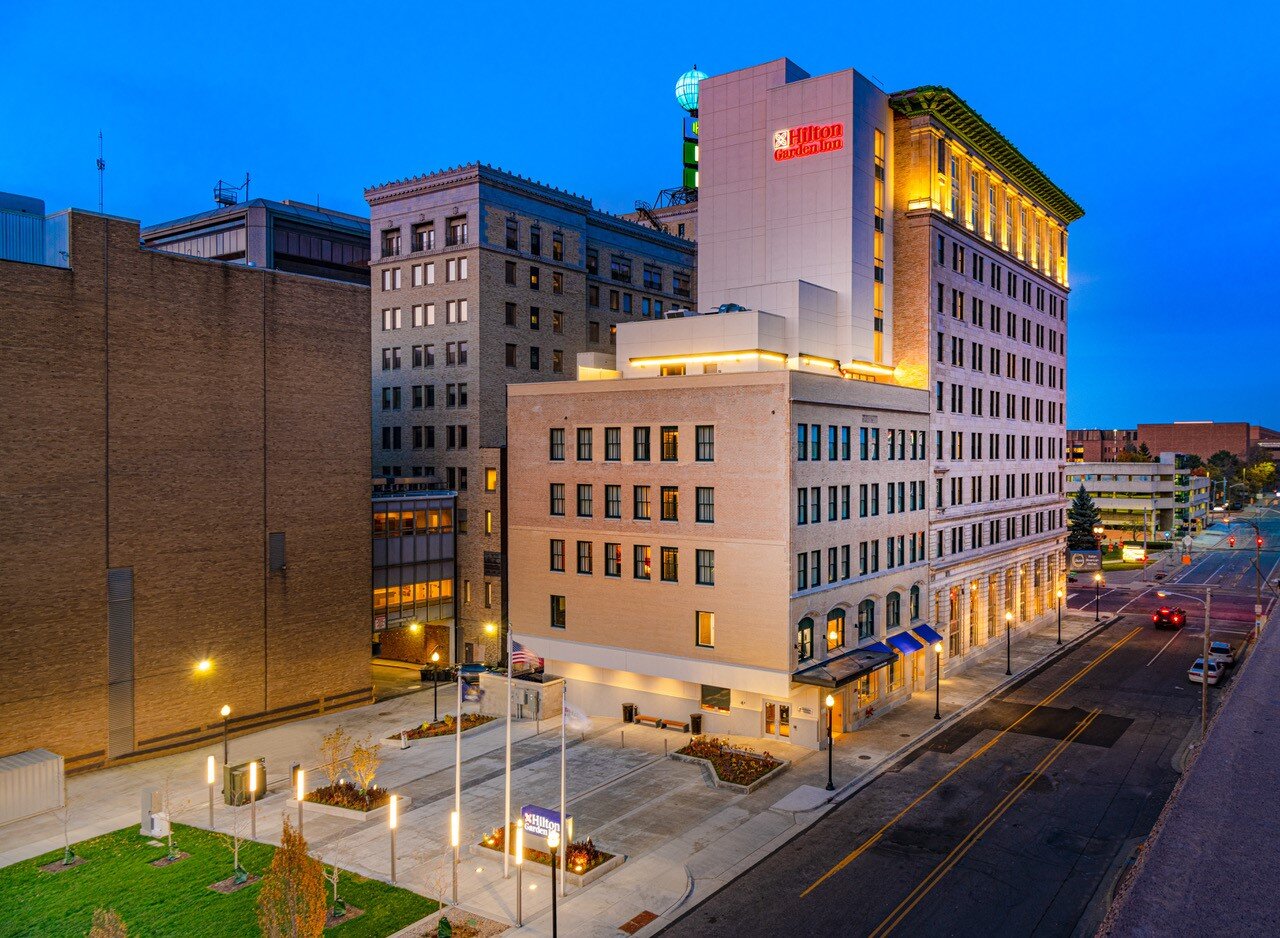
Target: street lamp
x: 226, y: 719
x: 455, y: 838
x: 1097, y: 596
x: 204, y: 666
x: 302, y: 794
x: 520, y: 874
x: 937, y: 680
x: 831, y: 703
x: 392, y: 820
x: 1059, y: 595
x: 253, y: 799
x: 553, y: 844
x: 1098, y: 532
x: 1204, y: 655
x: 1009, y: 644
x: 435, y: 687
x: 210, y: 775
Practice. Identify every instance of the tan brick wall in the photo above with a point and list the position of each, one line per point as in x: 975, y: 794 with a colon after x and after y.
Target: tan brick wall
x: 190, y: 503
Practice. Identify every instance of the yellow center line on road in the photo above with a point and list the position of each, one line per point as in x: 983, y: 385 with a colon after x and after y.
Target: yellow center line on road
x: 1048, y: 699
x: 957, y: 854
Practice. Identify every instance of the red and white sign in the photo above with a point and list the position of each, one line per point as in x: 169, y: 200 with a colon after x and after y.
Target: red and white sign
x: 796, y: 142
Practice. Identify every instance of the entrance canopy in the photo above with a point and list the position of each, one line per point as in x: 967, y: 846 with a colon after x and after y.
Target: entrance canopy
x: 927, y: 634
x: 847, y: 668
x: 905, y: 642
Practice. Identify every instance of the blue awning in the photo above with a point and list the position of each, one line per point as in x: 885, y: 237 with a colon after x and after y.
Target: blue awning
x: 926, y: 633
x: 846, y: 668
x: 905, y: 642
x: 878, y: 646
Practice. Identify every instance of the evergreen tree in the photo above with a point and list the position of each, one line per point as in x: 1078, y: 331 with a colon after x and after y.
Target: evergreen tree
x: 1145, y: 453
x: 1082, y: 517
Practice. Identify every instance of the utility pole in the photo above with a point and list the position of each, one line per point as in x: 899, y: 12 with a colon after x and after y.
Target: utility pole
x: 1204, y: 668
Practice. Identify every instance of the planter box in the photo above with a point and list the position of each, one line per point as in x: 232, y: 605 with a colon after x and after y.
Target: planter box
x: 402, y: 802
x: 393, y: 742
x: 718, y: 782
x: 541, y: 869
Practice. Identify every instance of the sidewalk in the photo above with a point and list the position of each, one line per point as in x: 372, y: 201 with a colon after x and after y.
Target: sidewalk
x: 681, y: 838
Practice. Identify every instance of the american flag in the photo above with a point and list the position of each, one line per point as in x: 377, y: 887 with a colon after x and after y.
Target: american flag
x: 522, y: 657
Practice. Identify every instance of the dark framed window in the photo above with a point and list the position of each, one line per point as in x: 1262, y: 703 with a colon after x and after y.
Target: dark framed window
x: 706, y: 443
x: 640, y: 505
x: 704, y: 624
x: 804, y: 639
x: 557, y: 498
x: 640, y: 444
x: 613, y: 560
x: 612, y: 444
x: 670, y: 564
x: 866, y: 618
x: 584, y: 444
x: 706, y: 501
x: 706, y: 567
x: 670, y: 444
x: 642, y: 556
x: 613, y: 501
x: 557, y: 444
x: 584, y: 557
x: 835, y: 629
x: 584, y: 501
x: 557, y: 555
x: 557, y: 612
x: 716, y: 699
x: 670, y: 503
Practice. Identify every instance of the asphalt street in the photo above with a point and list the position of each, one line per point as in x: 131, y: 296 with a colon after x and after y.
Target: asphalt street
x: 1018, y: 819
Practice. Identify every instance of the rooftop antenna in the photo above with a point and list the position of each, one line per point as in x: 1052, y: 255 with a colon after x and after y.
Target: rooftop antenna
x: 102, y: 168
x: 226, y: 194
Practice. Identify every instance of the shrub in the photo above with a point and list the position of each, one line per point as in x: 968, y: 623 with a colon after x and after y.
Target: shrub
x: 334, y: 751
x: 291, y: 902
x: 364, y: 763
x: 343, y: 795
x: 447, y: 726
x: 736, y: 765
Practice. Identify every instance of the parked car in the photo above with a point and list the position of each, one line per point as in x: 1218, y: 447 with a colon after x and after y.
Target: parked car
x: 1215, y: 671
x: 1169, y: 617
x: 1222, y: 652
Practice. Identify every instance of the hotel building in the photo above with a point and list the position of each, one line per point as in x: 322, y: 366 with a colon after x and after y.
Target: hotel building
x: 481, y: 278
x: 883, y: 283
x: 184, y: 483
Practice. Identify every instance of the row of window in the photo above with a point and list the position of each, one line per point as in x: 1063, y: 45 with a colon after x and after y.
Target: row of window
x: 1000, y: 278
x: 981, y: 534
x: 620, y: 270
x: 512, y: 358
x: 900, y: 497
x: 424, y: 314
x: 1033, y: 483
x: 533, y: 245
x: 620, y: 302
x: 412, y: 521
x: 535, y: 277
x: 835, y: 635
x: 641, y: 561
x: 424, y: 356
x: 423, y: 236
x: 641, y: 440
x: 536, y: 318
x: 641, y: 502
x: 423, y: 396
x: 899, y: 444
x: 976, y: 311
x: 950, y: 397
x: 899, y: 550
x: 979, y: 355
x: 1015, y: 446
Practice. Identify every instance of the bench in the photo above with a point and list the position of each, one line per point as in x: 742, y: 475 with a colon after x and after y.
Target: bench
x: 675, y: 725
x: 655, y: 722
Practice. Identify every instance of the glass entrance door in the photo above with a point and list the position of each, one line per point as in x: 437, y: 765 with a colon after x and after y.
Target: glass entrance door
x: 777, y: 719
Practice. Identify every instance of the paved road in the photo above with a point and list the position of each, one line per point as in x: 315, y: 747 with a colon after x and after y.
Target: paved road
x: 1012, y: 822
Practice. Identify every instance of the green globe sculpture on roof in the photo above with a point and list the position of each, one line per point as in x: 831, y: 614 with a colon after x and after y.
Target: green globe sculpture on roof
x: 687, y: 89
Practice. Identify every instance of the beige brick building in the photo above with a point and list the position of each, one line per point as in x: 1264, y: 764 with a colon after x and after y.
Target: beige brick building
x: 481, y: 278
x: 183, y: 478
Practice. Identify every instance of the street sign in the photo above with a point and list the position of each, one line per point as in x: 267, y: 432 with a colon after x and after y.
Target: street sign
x: 1080, y: 561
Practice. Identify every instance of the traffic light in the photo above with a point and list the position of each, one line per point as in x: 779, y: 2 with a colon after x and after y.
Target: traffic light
x: 1231, y: 541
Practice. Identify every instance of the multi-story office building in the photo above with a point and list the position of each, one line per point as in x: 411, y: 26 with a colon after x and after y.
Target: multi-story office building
x: 185, y: 493
x: 1099, y: 445
x: 414, y: 575
x: 481, y: 278
x: 905, y: 268
x: 1162, y: 498
x: 290, y: 236
x: 980, y: 287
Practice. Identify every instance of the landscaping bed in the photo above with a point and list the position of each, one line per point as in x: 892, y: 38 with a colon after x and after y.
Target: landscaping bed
x: 342, y: 800
x: 584, y: 863
x: 739, y: 769
x: 445, y: 727
x: 175, y: 899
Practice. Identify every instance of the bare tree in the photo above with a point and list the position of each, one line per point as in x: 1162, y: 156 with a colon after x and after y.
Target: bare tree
x: 335, y: 749
x: 364, y: 763
x: 64, y: 815
x: 172, y: 805
x: 234, y: 835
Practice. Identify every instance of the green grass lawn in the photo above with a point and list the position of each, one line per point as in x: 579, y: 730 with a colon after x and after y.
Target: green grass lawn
x: 173, y: 900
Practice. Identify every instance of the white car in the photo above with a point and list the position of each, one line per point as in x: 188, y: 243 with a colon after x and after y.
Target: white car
x: 1215, y: 671
x: 1222, y: 653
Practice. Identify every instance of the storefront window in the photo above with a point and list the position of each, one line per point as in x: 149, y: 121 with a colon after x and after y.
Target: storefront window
x: 715, y: 699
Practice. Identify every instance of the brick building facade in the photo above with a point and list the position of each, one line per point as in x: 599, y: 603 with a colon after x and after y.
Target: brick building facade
x: 185, y: 480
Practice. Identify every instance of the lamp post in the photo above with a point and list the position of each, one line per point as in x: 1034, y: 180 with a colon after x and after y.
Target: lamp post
x: 392, y: 820
x: 226, y: 721
x: 520, y: 876
x: 302, y: 793
x: 455, y: 838
x: 1008, y: 644
x: 831, y: 712
x: 1097, y: 597
x: 937, y: 680
x: 253, y: 799
x: 435, y: 687
x: 553, y: 844
x: 1059, y: 595
x: 1204, y: 655
x: 210, y: 776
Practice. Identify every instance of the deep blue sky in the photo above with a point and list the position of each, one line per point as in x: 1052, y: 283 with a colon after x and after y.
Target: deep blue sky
x: 1158, y: 119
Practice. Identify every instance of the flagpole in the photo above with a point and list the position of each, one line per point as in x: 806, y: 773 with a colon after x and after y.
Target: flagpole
x: 506, y: 811
x: 564, y: 822
x: 457, y: 754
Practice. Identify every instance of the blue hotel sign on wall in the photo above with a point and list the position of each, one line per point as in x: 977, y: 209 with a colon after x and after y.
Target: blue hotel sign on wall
x: 539, y: 822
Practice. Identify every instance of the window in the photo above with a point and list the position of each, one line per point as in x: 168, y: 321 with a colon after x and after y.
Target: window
x: 593, y: 295
x: 491, y: 480
x: 557, y: 246
x: 612, y: 444
x: 509, y: 272
x: 424, y: 237
x: 670, y: 444
x: 804, y: 639
x: 705, y: 629
x: 557, y: 498
x: 557, y: 612
x: 613, y: 501
x: 584, y: 557
x: 593, y: 261
x: 557, y: 555
x: 584, y: 501
x: 613, y: 560
x: 456, y: 233
x: 670, y: 503
x: 706, y: 501
x: 513, y: 234
x: 640, y: 444
x: 557, y: 444
x: 670, y: 565
x: 620, y: 268
x: 706, y: 443
x: 535, y: 276
x: 715, y: 699
x: 680, y: 284
x: 706, y: 575
x: 584, y: 444
x: 892, y: 611
x: 642, y: 557
x: 866, y: 619
x: 835, y: 629
x: 640, y: 503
